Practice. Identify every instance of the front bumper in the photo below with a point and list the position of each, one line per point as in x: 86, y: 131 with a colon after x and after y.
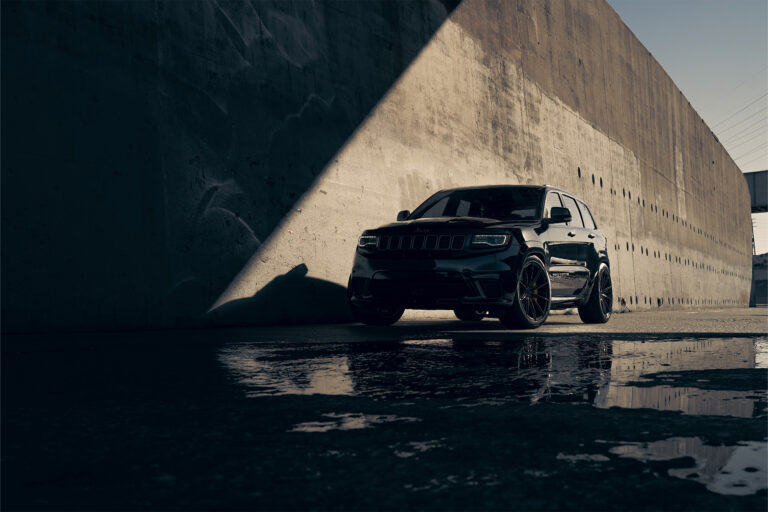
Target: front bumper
x: 484, y: 282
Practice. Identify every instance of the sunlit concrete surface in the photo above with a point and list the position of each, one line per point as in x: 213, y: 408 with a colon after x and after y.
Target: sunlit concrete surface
x: 421, y: 415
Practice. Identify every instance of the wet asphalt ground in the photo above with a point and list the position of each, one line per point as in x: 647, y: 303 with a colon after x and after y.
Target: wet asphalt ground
x: 430, y: 415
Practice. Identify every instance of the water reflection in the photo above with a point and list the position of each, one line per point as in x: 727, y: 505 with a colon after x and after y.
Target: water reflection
x: 348, y: 421
x: 606, y: 373
x: 737, y: 470
x: 267, y: 372
x: 668, y: 375
x: 631, y: 360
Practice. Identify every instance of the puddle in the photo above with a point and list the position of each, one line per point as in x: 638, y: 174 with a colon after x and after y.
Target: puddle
x: 632, y: 361
x: 733, y: 470
x: 761, y: 353
x: 583, y: 457
x: 666, y: 375
x: 349, y: 421
x: 266, y: 372
x: 428, y: 342
x: 406, y: 450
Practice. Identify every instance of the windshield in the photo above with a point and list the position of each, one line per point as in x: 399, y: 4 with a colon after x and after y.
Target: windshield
x: 503, y: 203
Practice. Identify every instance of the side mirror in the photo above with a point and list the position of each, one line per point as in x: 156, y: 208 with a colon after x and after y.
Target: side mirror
x: 558, y: 215
x: 403, y: 215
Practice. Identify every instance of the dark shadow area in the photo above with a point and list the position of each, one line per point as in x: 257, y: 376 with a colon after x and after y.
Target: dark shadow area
x: 238, y: 419
x: 292, y: 298
x: 150, y: 147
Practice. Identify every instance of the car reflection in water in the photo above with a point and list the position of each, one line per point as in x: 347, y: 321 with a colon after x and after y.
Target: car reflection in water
x: 469, y: 373
x: 603, y: 372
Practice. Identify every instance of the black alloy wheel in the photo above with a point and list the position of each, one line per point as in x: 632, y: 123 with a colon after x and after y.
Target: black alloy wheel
x: 599, y: 306
x: 373, y: 314
x: 533, y: 295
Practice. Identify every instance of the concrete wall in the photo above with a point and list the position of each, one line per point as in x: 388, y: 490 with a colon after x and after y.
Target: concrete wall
x: 161, y: 159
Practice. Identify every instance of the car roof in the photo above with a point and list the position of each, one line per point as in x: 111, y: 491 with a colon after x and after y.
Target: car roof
x: 555, y: 189
x: 546, y: 187
x: 481, y: 187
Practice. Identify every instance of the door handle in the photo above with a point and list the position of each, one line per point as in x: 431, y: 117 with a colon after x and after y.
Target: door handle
x: 591, y: 235
x: 571, y: 233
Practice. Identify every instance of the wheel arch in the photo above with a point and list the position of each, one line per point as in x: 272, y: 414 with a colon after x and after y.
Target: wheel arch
x: 538, y: 253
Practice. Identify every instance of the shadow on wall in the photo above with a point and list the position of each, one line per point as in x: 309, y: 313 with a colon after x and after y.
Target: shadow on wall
x: 292, y: 298
x: 150, y: 147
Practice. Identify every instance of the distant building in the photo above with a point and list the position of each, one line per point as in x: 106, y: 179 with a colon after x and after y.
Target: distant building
x: 757, y: 182
x: 759, y: 294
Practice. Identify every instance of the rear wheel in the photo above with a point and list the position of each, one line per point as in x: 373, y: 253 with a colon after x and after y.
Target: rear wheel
x: 532, y: 297
x: 469, y: 314
x: 599, y: 306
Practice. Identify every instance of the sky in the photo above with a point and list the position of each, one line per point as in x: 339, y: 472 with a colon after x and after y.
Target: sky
x: 716, y: 51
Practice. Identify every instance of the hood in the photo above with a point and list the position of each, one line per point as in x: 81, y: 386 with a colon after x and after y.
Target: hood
x: 452, y: 223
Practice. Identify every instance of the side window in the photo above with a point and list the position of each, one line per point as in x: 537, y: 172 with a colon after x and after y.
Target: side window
x: 589, y: 222
x: 553, y: 199
x: 576, y: 221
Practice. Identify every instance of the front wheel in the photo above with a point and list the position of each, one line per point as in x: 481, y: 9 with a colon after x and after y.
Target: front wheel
x: 599, y: 306
x: 374, y: 314
x: 533, y: 294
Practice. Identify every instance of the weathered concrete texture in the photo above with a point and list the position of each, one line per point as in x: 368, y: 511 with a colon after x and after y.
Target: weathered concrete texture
x: 539, y: 92
x: 158, y: 156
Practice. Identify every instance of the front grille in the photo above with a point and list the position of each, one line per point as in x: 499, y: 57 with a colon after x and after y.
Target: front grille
x: 407, y: 243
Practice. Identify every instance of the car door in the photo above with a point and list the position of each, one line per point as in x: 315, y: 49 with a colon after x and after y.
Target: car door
x: 595, y: 239
x: 553, y: 239
x: 558, y: 244
x: 566, y: 245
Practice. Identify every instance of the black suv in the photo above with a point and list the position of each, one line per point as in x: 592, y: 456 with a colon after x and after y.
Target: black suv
x: 512, y: 252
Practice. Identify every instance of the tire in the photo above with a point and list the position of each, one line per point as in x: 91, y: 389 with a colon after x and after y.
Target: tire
x: 375, y: 315
x: 468, y: 314
x: 599, y: 307
x: 533, y: 295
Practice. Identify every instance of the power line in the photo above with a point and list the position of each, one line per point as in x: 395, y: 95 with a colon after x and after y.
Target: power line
x: 758, y: 129
x: 740, y: 110
x: 739, y: 122
x: 761, y: 146
x: 758, y: 157
x: 738, y: 134
x: 749, y: 78
x: 746, y: 140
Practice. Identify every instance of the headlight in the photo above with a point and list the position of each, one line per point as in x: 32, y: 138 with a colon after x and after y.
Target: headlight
x: 368, y: 241
x: 489, y: 240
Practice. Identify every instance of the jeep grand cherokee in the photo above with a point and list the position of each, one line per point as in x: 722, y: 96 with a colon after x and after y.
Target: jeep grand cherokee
x: 511, y: 252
